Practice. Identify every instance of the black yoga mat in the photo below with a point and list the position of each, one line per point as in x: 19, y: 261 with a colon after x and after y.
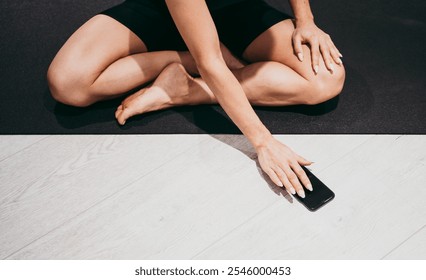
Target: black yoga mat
x: 383, y: 43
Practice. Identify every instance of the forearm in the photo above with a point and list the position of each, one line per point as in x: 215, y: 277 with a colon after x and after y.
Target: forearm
x: 302, y: 10
x: 197, y: 28
x: 231, y: 97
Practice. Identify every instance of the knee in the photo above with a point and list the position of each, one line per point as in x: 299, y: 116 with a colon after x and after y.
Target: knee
x: 326, y: 86
x: 66, y: 87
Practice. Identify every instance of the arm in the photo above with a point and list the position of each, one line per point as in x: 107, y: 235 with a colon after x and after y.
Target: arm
x: 307, y: 32
x: 197, y: 28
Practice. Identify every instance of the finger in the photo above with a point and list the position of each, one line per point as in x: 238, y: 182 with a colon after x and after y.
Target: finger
x: 303, y: 161
x: 334, y: 53
x: 334, y: 46
x: 271, y: 173
x: 335, y: 56
x: 292, y: 177
x: 302, y: 176
x: 325, y: 51
x: 315, y: 54
x: 297, y: 46
x: 283, y: 177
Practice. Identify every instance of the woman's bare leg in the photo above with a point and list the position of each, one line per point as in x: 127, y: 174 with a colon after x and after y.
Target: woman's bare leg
x: 275, y: 44
x: 103, y: 59
x: 275, y: 78
x: 265, y: 83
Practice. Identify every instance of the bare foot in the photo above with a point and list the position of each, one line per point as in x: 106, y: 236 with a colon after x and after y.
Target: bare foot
x: 171, y: 88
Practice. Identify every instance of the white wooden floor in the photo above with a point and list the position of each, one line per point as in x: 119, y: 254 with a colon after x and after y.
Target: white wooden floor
x: 203, y: 197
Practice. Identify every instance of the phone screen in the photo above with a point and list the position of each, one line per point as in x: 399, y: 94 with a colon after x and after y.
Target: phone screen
x: 320, y: 195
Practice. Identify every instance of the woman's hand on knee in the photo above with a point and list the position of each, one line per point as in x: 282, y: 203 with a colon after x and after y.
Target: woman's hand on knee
x: 320, y: 44
x: 283, y: 166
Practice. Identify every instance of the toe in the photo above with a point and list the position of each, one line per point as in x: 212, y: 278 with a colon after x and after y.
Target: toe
x: 127, y: 108
x: 120, y: 116
x: 125, y: 113
x: 122, y: 113
x: 118, y: 112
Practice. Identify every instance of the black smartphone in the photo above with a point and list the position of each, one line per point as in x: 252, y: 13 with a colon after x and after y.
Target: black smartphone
x: 320, y: 195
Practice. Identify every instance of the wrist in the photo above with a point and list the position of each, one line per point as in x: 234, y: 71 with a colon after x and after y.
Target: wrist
x: 306, y: 20
x: 259, y: 138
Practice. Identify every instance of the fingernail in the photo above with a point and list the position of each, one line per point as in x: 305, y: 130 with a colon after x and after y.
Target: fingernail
x: 292, y: 191
x: 301, y: 193
x: 340, y: 61
x: 331, y: 67
x: 300, y: 56
x: 316, y: 69
x: 309, y: 187
x: 341, y: 55
x: 280, y: 184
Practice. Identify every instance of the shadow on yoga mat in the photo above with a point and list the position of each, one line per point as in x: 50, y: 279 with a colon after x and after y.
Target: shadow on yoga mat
x: 334, y: 116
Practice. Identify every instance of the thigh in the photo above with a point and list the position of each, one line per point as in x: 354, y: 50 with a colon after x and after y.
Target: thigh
x: 134, y: 26
x: 94, y: 46
x: 275, y: 44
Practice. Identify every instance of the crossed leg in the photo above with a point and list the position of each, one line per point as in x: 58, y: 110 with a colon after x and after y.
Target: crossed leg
x: 275, y: 77
x: 103, y: 60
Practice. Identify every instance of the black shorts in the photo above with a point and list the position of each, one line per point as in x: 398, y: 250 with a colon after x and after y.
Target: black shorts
x: 237, y: 24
